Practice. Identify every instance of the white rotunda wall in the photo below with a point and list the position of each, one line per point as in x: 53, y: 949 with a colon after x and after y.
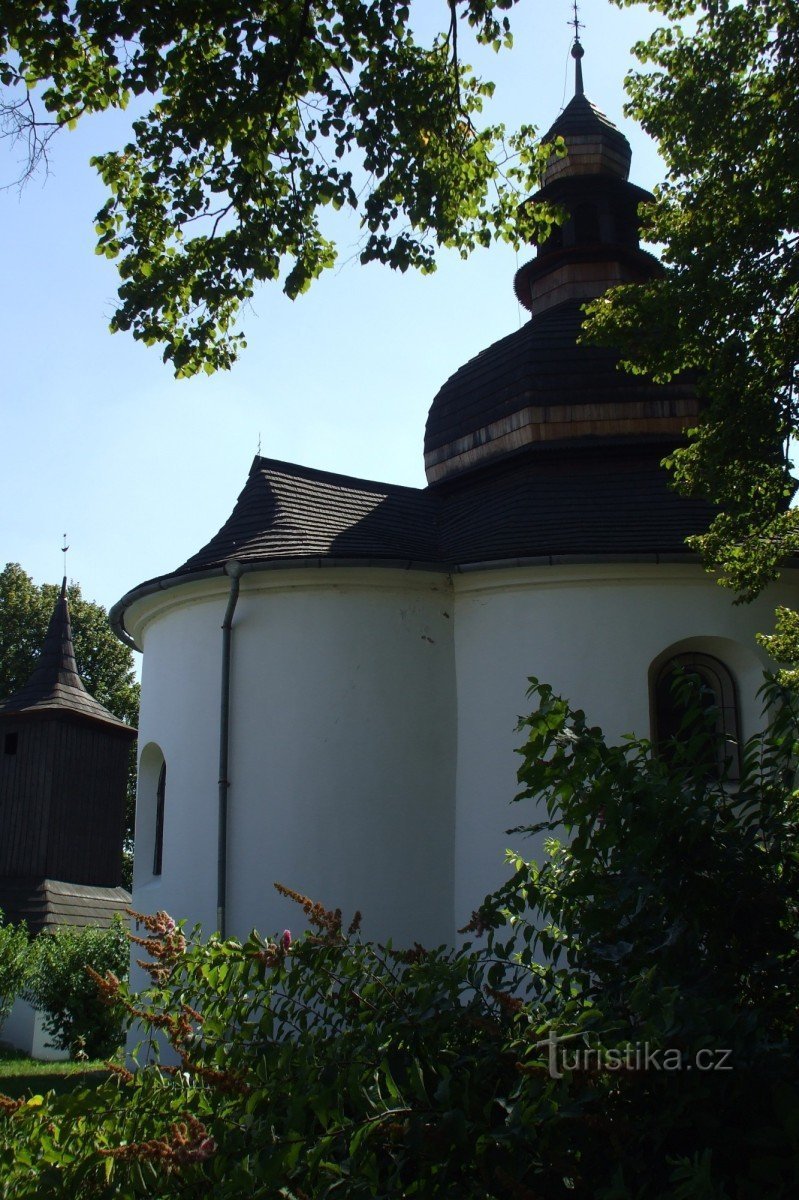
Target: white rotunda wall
x: 179, y: 632
x: 342, y: 748
x: 373, y: 714
x: 593, y: 632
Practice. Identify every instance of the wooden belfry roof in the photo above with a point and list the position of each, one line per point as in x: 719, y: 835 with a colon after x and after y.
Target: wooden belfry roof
x: 55, y: 685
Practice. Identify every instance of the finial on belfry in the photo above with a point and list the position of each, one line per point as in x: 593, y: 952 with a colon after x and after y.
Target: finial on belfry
x: 64, y: 549
x: 576, y: 22
x: 577, y: 51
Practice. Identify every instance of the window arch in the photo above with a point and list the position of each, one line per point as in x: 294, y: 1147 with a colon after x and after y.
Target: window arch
x: 718, y: 693
x: 150, y: 816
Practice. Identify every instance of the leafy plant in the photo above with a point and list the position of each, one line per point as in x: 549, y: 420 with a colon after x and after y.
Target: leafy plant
x: 14, y: 964
x: 666, y: 919
x: 62, y: 988
x: 552, y: 1057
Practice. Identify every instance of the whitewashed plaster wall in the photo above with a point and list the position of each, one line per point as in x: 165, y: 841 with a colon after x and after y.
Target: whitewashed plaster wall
x: 179, y: 720
x: 373, y: 716
x: 342, y: 750
x: 24, y: 1029
x: 594, y: 633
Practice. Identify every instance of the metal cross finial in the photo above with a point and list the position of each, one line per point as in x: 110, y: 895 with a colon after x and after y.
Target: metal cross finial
x: 576, y: 22
x: 64, y: 549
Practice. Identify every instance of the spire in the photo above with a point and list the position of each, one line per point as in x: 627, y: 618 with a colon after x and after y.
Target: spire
x: 577, y: 55
x: 55, y: 683
x: 593, y: 143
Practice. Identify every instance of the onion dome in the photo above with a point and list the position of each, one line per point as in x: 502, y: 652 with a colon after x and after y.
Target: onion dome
x: 539, y: 385
x: 55, y: 687
x: 593, y: 143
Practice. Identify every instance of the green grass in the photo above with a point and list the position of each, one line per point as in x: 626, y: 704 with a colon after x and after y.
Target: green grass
x: 21, y: 1075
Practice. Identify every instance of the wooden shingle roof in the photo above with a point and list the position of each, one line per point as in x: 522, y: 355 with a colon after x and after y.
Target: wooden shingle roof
x: 581, y: 500
x: 582, y: 118
x: 55, y: 685
x: 44, y: 904
x: 575, y: 501
x: 286, y: 511
x: 541, y: 365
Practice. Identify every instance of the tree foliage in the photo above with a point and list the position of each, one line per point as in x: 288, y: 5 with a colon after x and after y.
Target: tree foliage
x: 658, y: 935
x: 720, y: 94
x: 262, y: 116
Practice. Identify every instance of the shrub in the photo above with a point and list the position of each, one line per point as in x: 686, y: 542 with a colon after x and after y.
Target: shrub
x: 326, y: 1067
x: 14, y: 964
x: 61, y: 987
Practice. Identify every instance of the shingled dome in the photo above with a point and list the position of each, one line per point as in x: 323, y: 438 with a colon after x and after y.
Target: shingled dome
x: 537, y: 448
x: 538, y: 385
x: 542, y: 385
x: 593, y: 142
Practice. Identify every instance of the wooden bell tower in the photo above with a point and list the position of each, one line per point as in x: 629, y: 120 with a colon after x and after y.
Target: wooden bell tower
x: 63, y: 775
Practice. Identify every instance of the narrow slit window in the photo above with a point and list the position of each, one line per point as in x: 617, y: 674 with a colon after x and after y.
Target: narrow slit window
x: 160, y: 794
x: 10, y: 743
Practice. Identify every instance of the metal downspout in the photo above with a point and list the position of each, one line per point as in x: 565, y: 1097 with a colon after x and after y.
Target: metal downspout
x: 233, y: 569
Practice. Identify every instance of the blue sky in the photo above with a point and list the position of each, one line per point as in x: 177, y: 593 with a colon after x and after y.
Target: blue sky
x: 100, y: 440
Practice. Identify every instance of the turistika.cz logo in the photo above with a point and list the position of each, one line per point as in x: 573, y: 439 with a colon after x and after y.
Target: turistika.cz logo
x: 565, y: 1055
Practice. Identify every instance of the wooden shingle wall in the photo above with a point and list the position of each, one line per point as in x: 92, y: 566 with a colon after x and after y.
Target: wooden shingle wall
x: 62, y: 796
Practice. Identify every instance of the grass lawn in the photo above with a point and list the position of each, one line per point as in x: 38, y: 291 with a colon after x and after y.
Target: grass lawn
x: 21, y: 1075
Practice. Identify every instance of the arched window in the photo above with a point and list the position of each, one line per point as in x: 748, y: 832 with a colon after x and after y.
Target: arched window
x: 160, y: 793
x: 150, y: 814
x: 671, y: 705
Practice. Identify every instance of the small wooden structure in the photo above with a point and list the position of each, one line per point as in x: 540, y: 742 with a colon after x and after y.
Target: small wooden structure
x: 63, y: 778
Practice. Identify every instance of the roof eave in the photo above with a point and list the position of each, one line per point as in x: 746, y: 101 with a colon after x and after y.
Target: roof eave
x: 163, y: 583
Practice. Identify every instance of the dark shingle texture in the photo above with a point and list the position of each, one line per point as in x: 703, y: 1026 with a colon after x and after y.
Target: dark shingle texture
x: 583, y: 496
x: 287, y: 511
x: 576, y: 500
x: 581, y: 118
x: 55, y: 685
x: 572, y: 502
x: 44, y: 904
x: 539, y: 364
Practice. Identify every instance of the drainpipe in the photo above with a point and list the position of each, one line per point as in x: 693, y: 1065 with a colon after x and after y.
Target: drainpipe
x: 233, y: 569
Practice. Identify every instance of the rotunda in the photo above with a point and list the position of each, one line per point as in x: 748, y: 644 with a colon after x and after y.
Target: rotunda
x: 332, y: 683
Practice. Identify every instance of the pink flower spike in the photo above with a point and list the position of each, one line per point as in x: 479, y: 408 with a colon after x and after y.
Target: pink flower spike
x: 286, y: 939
